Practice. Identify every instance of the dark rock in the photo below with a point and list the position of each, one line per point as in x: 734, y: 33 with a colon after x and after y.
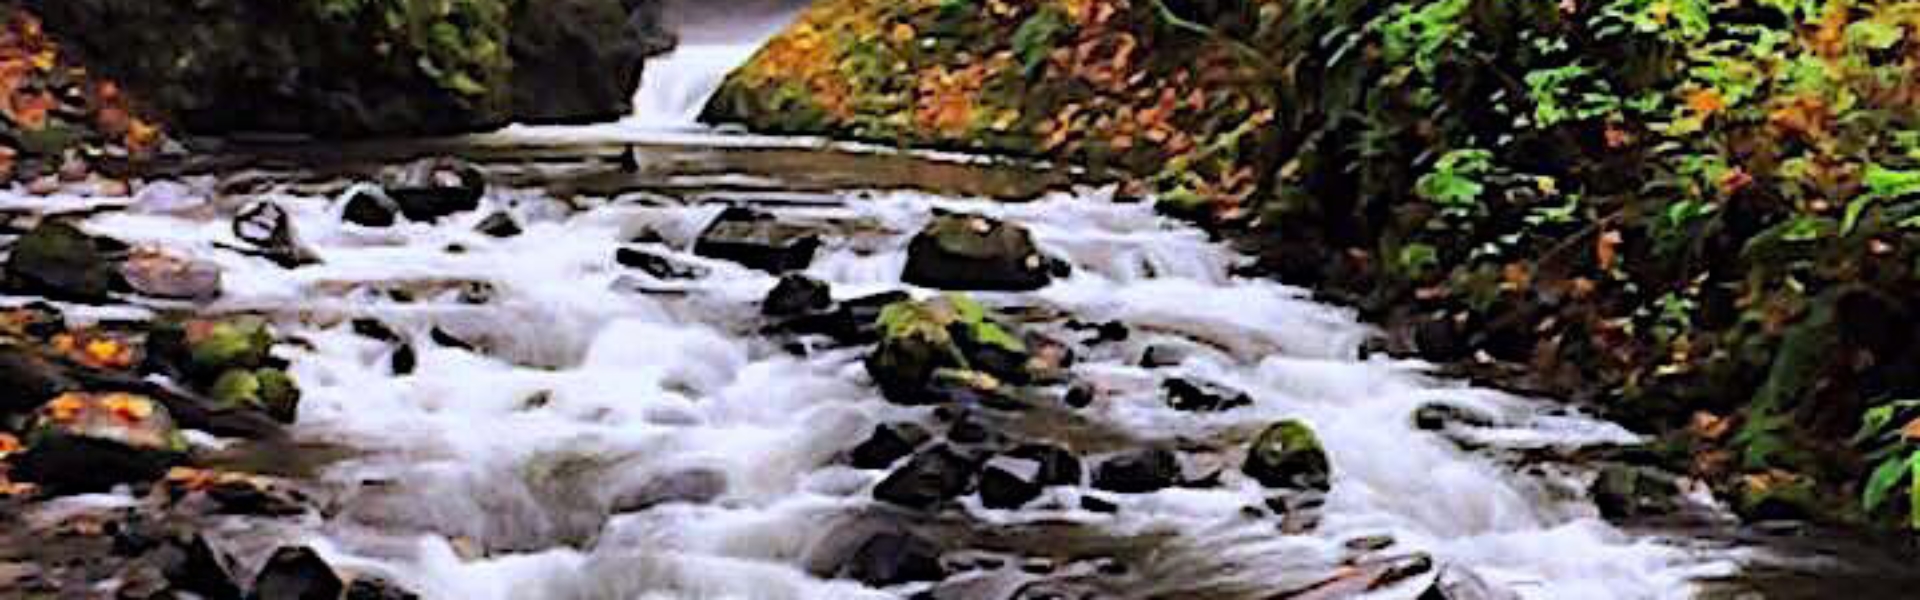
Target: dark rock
x: 758, y: 241
x: 657, y: 266
x: 191, y: 564
x: 374, y: 588
x: 796, y: 294
x: 429, y: 189
x: 951, y: 340
x: 270, y: 230
x: 231, y: 493
x: 965, y: 252
x: 892, y: 558
x: 933, y: 476
x: 499, y: 225
x: 889, y: 443
x: 1164, y: 355
x: 968, y: 430
x: 1288, y: 455
x: 1092, y: 503
x: 1057, y: 465
x: 854, y: 321
x: 689, y: 486
x: 1199, y: 396
x: 1138, y: 472
x: 1110, y: 331
x: 59, y: 261
x: 1460, y: 583
x: 448, y: 340
x: 30, y: 379
x: 1009, y: 482
x: 297, y: 573
x: 1626, y: 491
x: 160, y: 274
x: 1080, y: 395
x: 1437, y: 416
x: 374, y: 329
x: 1370, y: 543
x: 83, y: 443
x: 575, y: 60
x: 403, y: 360
x: 367, y: 207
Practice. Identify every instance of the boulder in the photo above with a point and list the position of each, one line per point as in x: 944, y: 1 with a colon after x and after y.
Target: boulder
x: 919, y: 340
x: 1010, y: 482
x: 81, y: 443
x: 757, y: 240
x: 232, y: 493
x: 499, y: 225
x: 270, y: 231
x: 1287, y: 455
x: 967, y: 252
x: 1058, y: 466
x: 59, y: 261
x: 686, y: 486
x: 1460, y: 583
x: 269, y: 391
x: 375, y: 588
x: 355, y: 69
x: 933, y: 476
x: 889, y: 443
x: 1138, y: 472
x: 895, y: 557
x: 368, y: 207
x: 1201, y: 396
x: 854, y: 321
x: 160, y: 274
x: 297, y: 573
x: 204, y: 349
x: 657, y: 266
x: 429, y: 189
x: 796, y: 294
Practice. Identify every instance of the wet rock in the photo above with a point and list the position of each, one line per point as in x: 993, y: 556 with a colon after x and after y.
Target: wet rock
x: 1080, y: 395
x: 959, y: 387
x: 1138, y: 472
x: 920, y: 339
x: 657, y: 266
x: 1201, y: 396
x: 1164, y: 355
x: 933, y: 476
x: 429, y: 189
x: 889, y: 443
x: 796, y: 294
x: 1057, y: 465
x: 270, y: 391
x: 1048, y: 360
x: 688, y: 486
x: 1358, y: 579
x: 404, y: 360
x: 1288, y: 455
x: 1776, y: 496
x: 297, y: 573
x: 30, y: 378
x: 82, y: 443
x: 1627, y: 491
x: 1460, y: 583
x: 854, y: 321
x: 967, y: 429
x: 59, y: 261
x: 758, y: 241
x: 374, y: 588
x: 226, y: 492
x: 895, y: 557
x: 270, y: 231
x: 159, y: 274
x: 1091, y: 503
x: 1009, y: 482
x: 965, y: 252
x: 1437, y: 416
x: 191, y: 564
x: 369, y: 207
x: 499, y: 225
x: 203, y: 349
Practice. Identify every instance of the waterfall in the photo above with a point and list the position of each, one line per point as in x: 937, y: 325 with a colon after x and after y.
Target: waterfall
x: 715, y: 38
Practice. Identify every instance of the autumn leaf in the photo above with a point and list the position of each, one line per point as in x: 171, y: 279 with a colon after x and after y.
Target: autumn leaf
x: 1705, y: 102
x: 1607, y: 249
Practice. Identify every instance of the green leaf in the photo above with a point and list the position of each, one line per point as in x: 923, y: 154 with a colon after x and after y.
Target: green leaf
x: 1884, y: 478
x: 1913, y: 491
x: 1874, y: 35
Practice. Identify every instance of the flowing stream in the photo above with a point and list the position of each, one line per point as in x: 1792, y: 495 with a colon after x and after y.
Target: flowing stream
x: 574, y: 428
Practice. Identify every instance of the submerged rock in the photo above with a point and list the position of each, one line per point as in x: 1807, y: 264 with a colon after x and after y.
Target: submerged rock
x: 225, y: 492
x: 374, y: 588
x: 1201, y: 396
x: 157, y: 273
x: 895, y: 557
x: 1010, y: 482
x: 889, y: 443
x: 1288, y: 455
x: 796, y: 294
x: 1058, y: 466
x: 758, y: 241
x: 499, y: 225
x: 1138, y: 472
x: 270, y: 230
x: 57, y: 260
x: 657, y: 266
x: 297, y: 573
x: 935, y: 475
x: 82, y: 443
x: 965, y: 252
x: 1436, y: 416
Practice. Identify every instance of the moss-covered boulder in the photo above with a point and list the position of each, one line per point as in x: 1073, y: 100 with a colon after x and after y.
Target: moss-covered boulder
x: 1288, y: 455
x: 204, y: 349
x: 362, y: 67
x: 83, y: 442
x: 967, y: 252
x: 270, y: 391
x: 943, y: 347
x: 57, y: 260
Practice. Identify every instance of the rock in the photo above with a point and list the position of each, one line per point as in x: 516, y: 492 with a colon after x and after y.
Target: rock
x: 369, y: 207
x: 688, y: 486
x: 796, y: 294
x: 403, y: 360
x: 499, y: 225
x: 1091, y: 503
x: 82, y: 443
x: 1164, y: 355
x: 1627, y: 491
x: 854, y: 321
x: 190, y: 563
x: 271, y: 232
x: 1358, y: 579
x: 155, y: 273
x: 351, y: 69
x: 657, y: 266
x: 920, y: 339
x: 1138, y: 472
x: 1370, y: 543
x: 965, y: 252
x: 1080, y: 395
x: 374, y: 588
x: 893, y: 557
x: 1200, y: 396
x: 1288, y: 455
x: 30, y: 378
x: 1436, y: 416
x: 429, y: 189
x: 1057, y: 465
x: 270, y: 391
x: 933, y: 476
x: 59, y: 261
x: 297, y: 573
x: 203, y: 349
x: 889, y: 443
x: 1460, y: 583
x: 226, y: 492
x: 757, y: 241
x: 1009, y: 482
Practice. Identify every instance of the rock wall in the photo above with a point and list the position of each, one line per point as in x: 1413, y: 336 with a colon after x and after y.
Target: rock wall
x: 341, y: 68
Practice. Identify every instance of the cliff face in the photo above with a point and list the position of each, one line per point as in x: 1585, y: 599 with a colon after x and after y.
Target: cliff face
x: 1699, y: 216
x: 341, y: 68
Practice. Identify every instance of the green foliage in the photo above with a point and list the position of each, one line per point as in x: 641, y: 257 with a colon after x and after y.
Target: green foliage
x: 1454, y: 184
x: 1418, y: 33
x: 1896, y: 454
x: 1036, y: 38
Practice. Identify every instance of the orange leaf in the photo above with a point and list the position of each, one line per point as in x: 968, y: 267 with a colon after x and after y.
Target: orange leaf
x: 1705, y: 102
x: 1911, y: 430
x: 1607, y: 249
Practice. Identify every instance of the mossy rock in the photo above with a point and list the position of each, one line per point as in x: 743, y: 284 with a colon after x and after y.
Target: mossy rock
x: 58, y: 260
x: 951, y: 333
x: 1288, y: 455
x: 270, y: 391
x: 81, y: 443
x: 204, y: 349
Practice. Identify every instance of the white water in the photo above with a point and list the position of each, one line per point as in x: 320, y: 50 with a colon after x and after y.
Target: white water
x: 715, y: 37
